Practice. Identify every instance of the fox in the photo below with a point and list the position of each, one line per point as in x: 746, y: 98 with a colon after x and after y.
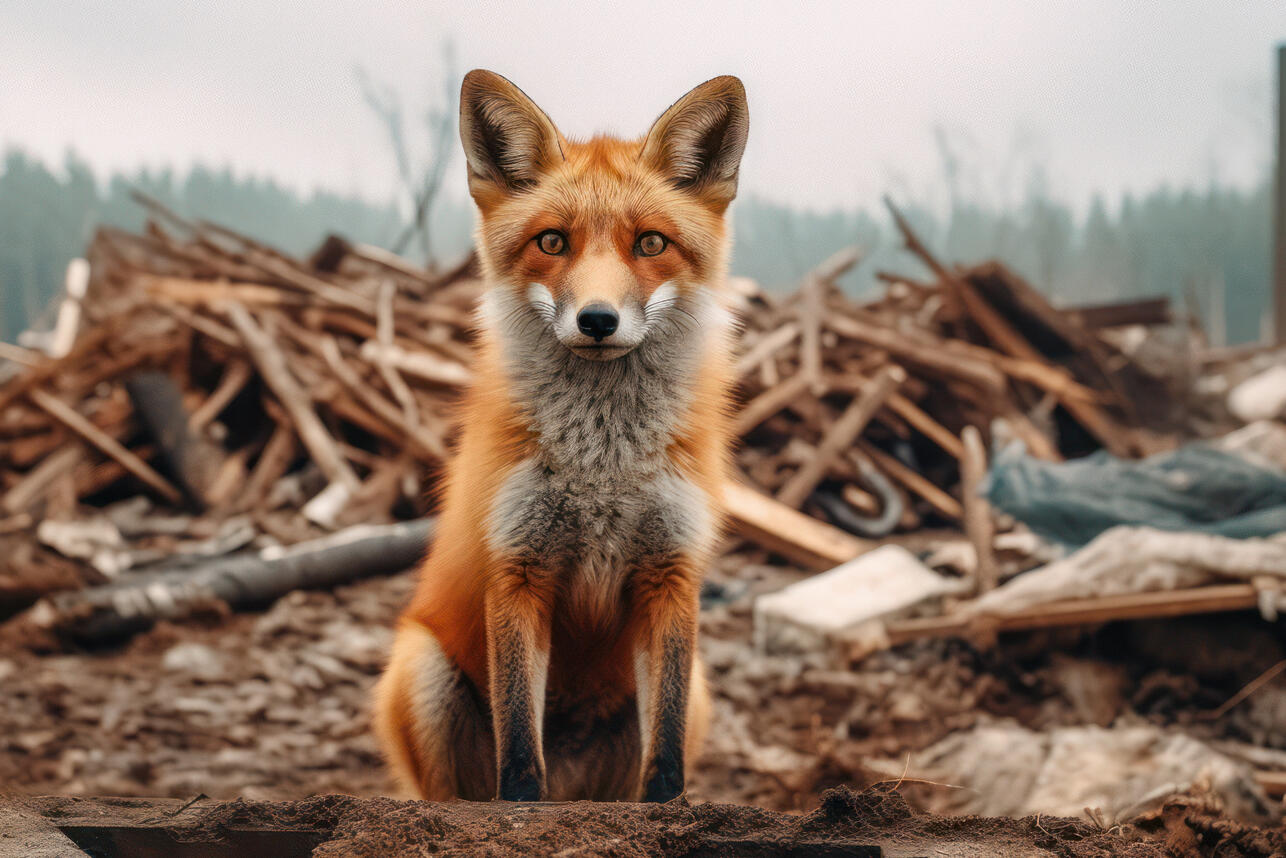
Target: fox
x: 549, y: 650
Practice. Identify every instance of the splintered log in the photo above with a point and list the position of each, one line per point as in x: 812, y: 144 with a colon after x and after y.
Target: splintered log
x: 239, y: 581
x: 191, y: 458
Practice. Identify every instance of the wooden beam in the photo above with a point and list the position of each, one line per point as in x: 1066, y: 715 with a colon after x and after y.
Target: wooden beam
x: 799, y: 538
x: 1077, y: 612
x: 769, y: 402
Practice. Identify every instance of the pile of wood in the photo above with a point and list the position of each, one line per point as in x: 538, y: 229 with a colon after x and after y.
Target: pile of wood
x: 214, y: 394
x: 246, y: 395
x: 873, y: 414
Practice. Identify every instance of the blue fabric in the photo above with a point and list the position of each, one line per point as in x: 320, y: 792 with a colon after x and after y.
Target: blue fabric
x: 1197, y: 488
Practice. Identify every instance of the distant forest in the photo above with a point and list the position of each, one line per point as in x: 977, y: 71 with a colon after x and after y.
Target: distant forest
x: 1206, y: 249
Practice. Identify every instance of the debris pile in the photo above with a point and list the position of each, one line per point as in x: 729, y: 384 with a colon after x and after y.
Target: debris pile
x: 860, y: 412
x: 220, y: 393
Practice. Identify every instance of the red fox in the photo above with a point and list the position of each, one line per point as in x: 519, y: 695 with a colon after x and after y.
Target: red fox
x: 550, y: 650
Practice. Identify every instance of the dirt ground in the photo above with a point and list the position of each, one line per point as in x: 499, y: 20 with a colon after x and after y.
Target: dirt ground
x: 273, y: 705
x: 870, y: 824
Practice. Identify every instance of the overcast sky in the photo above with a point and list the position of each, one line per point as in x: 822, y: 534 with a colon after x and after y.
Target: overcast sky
x: 844, y: 97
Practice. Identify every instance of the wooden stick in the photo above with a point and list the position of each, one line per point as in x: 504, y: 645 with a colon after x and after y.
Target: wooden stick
x: 767, y: 346
x: 33, y: 484
x: 69, y: 417
x: 769, y: 402
x: 812, y: 304
x: 429, y: 444
x: 419, y: 364
x: 234, y: 379
x: 932, y: 429
x: 272, y: 464
x: 936, y: 358
x: 977, y: 512
x: 384, y: 331
x: 841, y: 435
x: 782, y: 530
x: 276, y: 374
x: 937, y: 498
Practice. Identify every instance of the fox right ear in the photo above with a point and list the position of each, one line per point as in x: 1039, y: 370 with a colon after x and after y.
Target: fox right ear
x: 508, y: 140
x: 698, y: 142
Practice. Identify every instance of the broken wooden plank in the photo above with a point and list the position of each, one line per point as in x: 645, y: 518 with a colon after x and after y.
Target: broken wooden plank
x: 1075, y: 612
x: 797, y: 537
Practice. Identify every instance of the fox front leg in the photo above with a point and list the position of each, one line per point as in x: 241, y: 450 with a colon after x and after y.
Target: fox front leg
x: 665, y: 613
x: 518, y: 615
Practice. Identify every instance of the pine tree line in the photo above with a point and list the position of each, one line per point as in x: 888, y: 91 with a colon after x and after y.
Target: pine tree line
x: 1198, y: 247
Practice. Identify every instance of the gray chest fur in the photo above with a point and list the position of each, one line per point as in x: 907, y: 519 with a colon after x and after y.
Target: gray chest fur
x: 599, y: 496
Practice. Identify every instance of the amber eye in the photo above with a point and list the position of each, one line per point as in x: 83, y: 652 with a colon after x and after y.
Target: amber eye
x: 650, y: 244
x: 551, y: 241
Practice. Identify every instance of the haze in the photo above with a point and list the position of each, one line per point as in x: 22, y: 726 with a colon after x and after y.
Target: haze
x: 845, y: 97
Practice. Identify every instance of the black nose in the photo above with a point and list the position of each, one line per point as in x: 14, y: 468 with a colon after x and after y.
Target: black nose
x: 597, y: 321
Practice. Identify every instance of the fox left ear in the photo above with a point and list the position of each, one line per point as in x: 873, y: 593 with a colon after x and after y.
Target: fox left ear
x: 508, y: 140
x: 698, y: 142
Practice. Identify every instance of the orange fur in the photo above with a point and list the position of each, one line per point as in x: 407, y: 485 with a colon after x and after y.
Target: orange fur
x: 601, y: 194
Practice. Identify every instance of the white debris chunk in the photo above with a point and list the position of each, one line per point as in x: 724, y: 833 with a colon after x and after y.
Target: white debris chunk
x: 1260, y: 397
x: 847, y: 602
x: 1138, y: 560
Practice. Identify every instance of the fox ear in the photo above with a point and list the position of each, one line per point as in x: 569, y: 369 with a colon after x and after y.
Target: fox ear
x: 508, y: 140
x: 698, y: 142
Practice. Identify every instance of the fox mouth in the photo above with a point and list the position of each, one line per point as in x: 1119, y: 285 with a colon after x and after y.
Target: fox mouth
x: 599, y: 351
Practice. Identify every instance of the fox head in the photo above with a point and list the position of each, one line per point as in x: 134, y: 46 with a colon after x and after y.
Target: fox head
x: 605, y: 240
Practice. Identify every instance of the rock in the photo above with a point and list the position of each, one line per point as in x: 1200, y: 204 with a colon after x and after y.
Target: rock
x: 848, y: 602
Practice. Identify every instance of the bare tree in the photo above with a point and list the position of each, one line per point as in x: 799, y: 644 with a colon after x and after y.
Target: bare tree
x: 421, y: 179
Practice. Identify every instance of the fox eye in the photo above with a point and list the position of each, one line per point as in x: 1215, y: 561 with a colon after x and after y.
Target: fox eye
x: 650, y: 244
x: 551, y: 241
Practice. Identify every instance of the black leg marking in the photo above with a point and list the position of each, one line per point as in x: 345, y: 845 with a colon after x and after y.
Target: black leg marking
x: 665, y: 768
